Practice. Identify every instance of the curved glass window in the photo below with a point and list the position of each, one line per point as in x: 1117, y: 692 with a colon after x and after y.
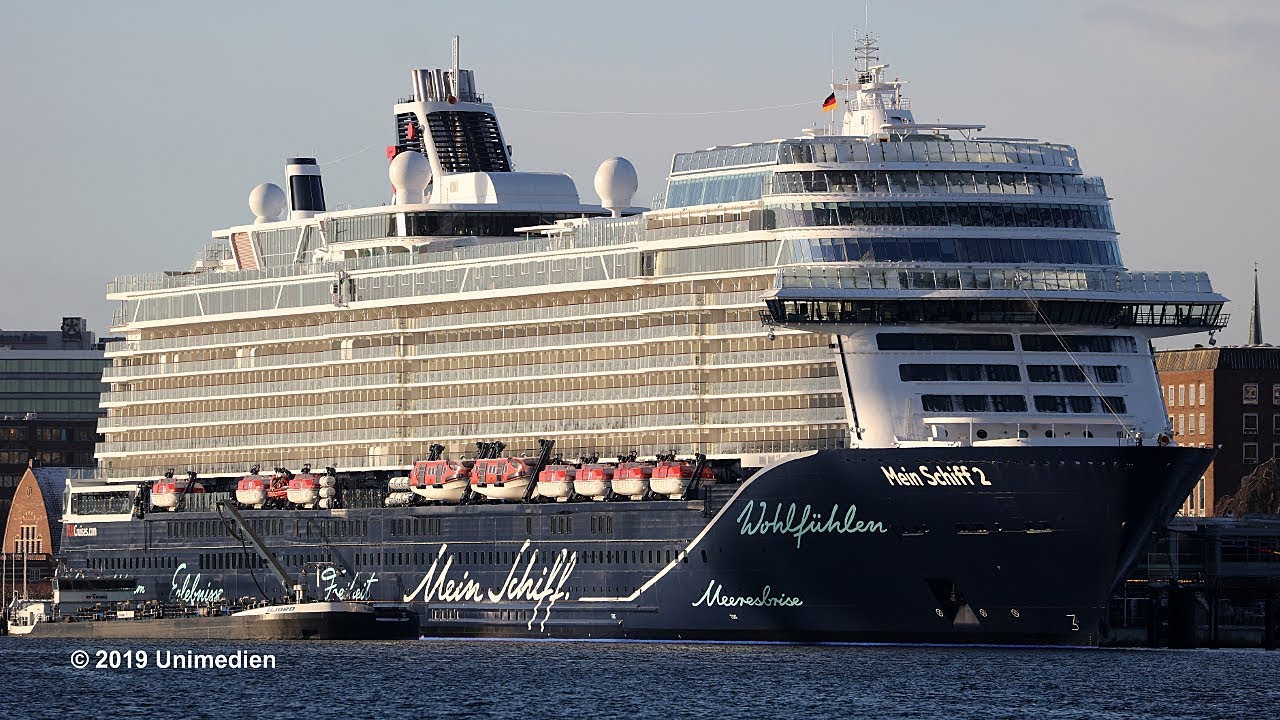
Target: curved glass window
x: 687, y: 192
x: 915, y: 214
x: 958, y: 250
x: 1081, y: 404
x: 973, y: 403
x: 950, y: 182
x: 943, y: 341
x: 958, y: 372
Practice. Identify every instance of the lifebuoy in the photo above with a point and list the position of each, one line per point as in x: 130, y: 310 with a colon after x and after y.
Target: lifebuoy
x: 1163, y: 440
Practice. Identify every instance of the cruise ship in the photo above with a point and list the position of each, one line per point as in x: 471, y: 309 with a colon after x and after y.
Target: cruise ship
x: 886, y: 380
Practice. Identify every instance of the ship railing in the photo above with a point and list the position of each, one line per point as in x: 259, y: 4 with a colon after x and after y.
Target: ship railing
x: 123, y: 373
x: 496, y: 373
x: 832, y: 276
x: 836, y: 436
x: 688, y: 231
x: 894, y: 186
x: 501, y: 373
x: 129, y: 372
x: 296, y: 412
x: 337, y: 382
x: 484, y: 318
x: 599, y: 232
x: 466, y: 431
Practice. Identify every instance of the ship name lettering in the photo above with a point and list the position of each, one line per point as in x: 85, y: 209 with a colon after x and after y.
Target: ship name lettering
x: 799, y: 522
x: 939, y: 475
x: 524, y: 582
x: 714, y: 596
x: 353, y: 590
x: 189, y: 589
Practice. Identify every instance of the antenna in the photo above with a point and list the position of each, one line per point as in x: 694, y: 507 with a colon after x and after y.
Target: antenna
x: 455, y: 68
x: 832, y: 124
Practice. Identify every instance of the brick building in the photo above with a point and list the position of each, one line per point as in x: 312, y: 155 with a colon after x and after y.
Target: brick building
x: 1227, y: 398
x: 32, y: 525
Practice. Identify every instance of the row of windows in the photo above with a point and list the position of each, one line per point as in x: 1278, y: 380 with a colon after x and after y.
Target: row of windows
x: 1016, y: 403
x: 1077, y: 374
x: 1251, y: 395
x: 1080, y: 404
x: 993, y: 342
x: 717, y: 189
x: 973, y: 403
x: 1003, y: 311
x: 1186, y: 424
x: 16, y: 437
x: 1249, y: 423
x: 725, y: 157
x: 51, y: 385
x: 16, y: 406
x: 132, y: 562
x: 102, y: 503
x: 938, y: 214
x: 46, y: 458
x: 950, y: 250
x: 1249, y: 452
x: 52, y: 366
x: 1009, y: 373
x: 1183, y: 398
x: 1080, y: 343
x: 926, y: 148
x: 959, y: 373
x: 950, y: 182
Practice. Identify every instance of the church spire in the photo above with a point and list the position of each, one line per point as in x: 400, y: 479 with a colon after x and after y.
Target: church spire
x: 1255, y: 313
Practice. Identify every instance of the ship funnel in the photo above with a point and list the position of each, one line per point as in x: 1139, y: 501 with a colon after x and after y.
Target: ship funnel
x: 306, y: 192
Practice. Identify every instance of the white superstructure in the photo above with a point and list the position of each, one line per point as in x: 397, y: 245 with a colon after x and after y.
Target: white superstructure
x: 895, y: 284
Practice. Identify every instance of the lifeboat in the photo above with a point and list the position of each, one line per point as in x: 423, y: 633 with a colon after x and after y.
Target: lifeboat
x: 502, y: 478
x: 278, y: 490
x: 594, y: 480
x: 166, y: 491
x: 631, y: 479
x: 251, y: 491
x: 304, y: 489
x: 439, y: 480
x: 557, y: 481
x: 672, y: 477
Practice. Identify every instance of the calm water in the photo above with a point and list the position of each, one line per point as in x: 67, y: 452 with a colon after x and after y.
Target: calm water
x: 597, y: 680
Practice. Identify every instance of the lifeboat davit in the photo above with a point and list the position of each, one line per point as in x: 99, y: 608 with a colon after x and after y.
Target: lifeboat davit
x: 556, y: 481
x: 502, y: 478
x: 594, y: 480
x: 304, y: 489
x: 672, y: 477
x: 166, y: 491
x: 439, y: 480
x: 252, y: 489
x: 631, y: 479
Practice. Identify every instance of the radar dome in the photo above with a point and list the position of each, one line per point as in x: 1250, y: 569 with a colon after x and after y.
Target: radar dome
x: 409, y: 172
x: 616, y: 183
x: 266, y: 202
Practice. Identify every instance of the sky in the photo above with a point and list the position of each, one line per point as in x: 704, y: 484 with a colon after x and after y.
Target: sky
x: 130, y: 130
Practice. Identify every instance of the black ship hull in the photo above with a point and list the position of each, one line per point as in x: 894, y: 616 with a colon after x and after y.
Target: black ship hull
x: 1003, y: 545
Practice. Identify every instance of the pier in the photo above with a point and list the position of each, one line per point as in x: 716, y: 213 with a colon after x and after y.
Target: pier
x: 1206, y: 582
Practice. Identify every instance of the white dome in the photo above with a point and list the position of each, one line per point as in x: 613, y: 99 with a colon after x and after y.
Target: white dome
x: 266, y: 202
x: 616, y: 183
x: 409, y: 172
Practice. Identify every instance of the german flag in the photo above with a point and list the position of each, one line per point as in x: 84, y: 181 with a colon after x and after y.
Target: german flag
x: 830, y: 103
